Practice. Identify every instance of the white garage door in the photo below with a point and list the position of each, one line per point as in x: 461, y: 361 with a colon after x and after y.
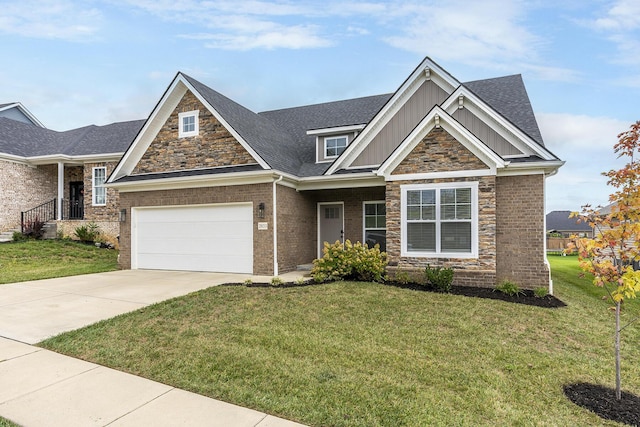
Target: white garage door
x: 193, y: 238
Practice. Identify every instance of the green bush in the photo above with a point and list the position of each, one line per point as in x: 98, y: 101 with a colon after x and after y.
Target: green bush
x: 19, y: 237
x: 509, y: 288
x: 276, y: 281
x: 88, y: 233
x: 439, y: 278
x: 541, y: 292
x: 350, y: 261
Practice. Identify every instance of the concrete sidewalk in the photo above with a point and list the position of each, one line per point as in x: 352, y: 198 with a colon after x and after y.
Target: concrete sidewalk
x: 42, y: 388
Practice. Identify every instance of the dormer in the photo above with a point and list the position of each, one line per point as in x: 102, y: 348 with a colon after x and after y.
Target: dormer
x: 331, y: 142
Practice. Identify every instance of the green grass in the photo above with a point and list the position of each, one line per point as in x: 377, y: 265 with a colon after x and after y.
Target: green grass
x: 362, y: 354
x: 6, y: 423
x: 44, y: 259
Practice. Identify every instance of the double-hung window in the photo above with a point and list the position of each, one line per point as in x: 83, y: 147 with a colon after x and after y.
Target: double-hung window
x: 334, y: 146
x: 440, y: 220
x: 188, y: 124
x: 375, y: 224
x: 99, y: 192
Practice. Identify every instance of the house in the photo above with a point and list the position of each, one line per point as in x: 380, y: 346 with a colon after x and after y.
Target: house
x: 438, y: 173
x: 58, y: 176
x: 558, y: 222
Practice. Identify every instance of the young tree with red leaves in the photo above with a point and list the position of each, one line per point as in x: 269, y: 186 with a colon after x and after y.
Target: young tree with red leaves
x: 609, y: 256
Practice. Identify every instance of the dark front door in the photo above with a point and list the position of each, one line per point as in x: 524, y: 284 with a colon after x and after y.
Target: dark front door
x: 76, y: 200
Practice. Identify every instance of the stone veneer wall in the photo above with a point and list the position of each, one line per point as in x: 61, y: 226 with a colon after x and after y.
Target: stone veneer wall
x: 214, y: 146
x: 479, y: 271
x: 520, y: 230
x: 106, y: 213
x: 441, y: 152
x: 262, y: 239
x: 24, y: 187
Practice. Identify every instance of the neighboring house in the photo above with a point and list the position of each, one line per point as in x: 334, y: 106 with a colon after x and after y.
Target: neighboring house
x: 59, y: 173
x: 559, y: 222
x: 439, y: 173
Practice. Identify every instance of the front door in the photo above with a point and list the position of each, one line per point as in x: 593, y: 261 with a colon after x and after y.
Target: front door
x: 76, y: 200
x: 330, y: 224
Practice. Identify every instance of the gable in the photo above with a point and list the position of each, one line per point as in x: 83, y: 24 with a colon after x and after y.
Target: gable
x: 214, y: 146
x: 485, y: 133
x: 438, y: 151
x: 407, y: 117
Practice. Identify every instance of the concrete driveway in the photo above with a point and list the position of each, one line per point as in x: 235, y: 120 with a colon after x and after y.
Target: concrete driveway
x: 33, y: 311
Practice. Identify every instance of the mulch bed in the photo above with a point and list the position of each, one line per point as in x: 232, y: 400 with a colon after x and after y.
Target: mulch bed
x: 602, y: 401
x: 526, y: 296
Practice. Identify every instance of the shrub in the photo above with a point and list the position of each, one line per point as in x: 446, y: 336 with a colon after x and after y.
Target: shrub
x: 18, y: 236
x: 88, y: 233
x: 439, y: 278
x: 402, y: 277
x: 541, y: 292
x: 509, y: 288
x: 276, y: 281
x: 350, y: 261
x: 248, y: 282
x: 34, y: 229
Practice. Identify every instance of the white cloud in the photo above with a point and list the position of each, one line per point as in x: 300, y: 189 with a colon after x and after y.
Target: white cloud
x: 623, y: 15
x: 469, y: 32
x: 50, y: 19
x: 586, y: 144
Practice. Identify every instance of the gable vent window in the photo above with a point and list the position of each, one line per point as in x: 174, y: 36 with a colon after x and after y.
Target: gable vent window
x: 188, y: 124
x: 334, y: 146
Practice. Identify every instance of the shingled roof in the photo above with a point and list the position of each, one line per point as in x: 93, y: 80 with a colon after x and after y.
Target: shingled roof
x: 25, y: 140
x: 560, y: 221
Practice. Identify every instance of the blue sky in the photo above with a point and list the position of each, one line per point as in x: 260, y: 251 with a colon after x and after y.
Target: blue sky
x: 74, y: 63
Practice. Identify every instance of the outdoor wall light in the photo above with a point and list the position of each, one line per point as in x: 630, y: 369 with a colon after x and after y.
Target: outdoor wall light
x: 123, y: 215
x: 261, y: 210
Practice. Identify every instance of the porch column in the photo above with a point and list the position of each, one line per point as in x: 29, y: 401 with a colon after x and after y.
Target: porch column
x: 60, y: 190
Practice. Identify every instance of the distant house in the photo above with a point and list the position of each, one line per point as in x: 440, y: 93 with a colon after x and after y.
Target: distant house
x: 58, y: 176
x: 558, y: 222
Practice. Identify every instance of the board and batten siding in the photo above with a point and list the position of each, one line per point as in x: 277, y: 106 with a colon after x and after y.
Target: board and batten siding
x: 484, y: 133
x: 400, y: 125
x: 320, y: 154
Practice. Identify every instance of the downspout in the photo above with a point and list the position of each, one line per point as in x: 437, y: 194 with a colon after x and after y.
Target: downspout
x: 544, y: 238
x: 275, y: 227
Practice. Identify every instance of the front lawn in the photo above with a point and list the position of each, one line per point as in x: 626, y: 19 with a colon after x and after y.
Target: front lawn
x: 363, y: 354
x: 44, y: 259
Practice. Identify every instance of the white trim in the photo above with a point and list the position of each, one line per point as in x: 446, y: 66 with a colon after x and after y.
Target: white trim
x: 162, y: 111
x: 61, y: 189
x: 443, y: 175
x: 548, y: 168
x: 474, y: 220
x: 24, y: 111
x: 318, y: 227
x: 336, y: 137
x: 94, y: 187
x: 454, y: 128
x: 501, y: 125
x: 427, y: 70
x: 338, y: 129
x: 196, y: 124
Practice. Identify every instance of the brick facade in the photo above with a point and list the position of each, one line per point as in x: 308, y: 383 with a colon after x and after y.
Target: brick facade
x: 213, y: 147
x: 520, y: 230
x: 297, y: 234
x: 24, y: 187
x: 257, y: 193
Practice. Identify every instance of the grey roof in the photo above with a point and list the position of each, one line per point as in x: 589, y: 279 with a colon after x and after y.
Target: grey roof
x: 508, y: 96
x: 191, y: 172
x: 271, y: 143
x: 297, y: 121
x: 560, y: 221
x: 26, y: 140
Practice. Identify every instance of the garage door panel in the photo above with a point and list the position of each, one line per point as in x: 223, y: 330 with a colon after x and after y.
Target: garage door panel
x: 198, y: 238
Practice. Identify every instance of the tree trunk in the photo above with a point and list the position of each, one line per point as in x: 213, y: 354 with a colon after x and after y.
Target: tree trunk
x: 618, y: 381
